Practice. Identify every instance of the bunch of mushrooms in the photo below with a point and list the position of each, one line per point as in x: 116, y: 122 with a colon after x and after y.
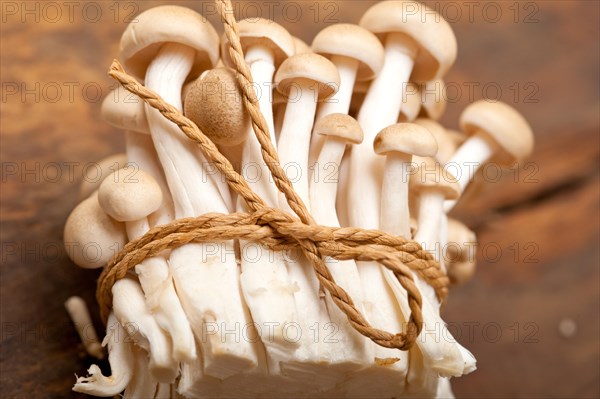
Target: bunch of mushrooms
x: 237, y: 319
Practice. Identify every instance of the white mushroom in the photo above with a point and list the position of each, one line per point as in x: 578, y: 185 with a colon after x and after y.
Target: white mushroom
x: 141, y: 209
x: 92, y: 237
x: 167, y: 45
x: 304, y: 79
x: 339, y: 130
x: 494, y: 128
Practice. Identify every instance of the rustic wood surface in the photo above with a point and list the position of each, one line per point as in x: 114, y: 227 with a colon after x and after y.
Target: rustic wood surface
x: 538, y: 228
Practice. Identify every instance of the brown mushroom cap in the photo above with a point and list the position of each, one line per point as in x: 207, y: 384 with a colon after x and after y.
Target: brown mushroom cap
x: 311, y: 70
x: 95, y: 175
x: 264, y: 32
x: 430, y: 175
x: 152, y: 28
x: 433, y: 99
x: 354, y: 42
x: 214, y: 103
x: 406, y: 138
x: 91, y: 236
x: 501, y: 123
x: 341, y: 126
x: 432, y: 34
x: 301, y: 47
x: 127, y: 196
x: 446, y: 146
x: 125, y: 110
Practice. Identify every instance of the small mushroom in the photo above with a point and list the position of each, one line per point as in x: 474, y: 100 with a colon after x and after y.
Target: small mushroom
x: 85, y: 328
x: 305, y: 79
x: 130, y: 199
x: 433, y: 185
x: 92, y: 237
x: 103, y: 168
x: 214, y: 103
x: 494, y: 129
x: 399, y: 143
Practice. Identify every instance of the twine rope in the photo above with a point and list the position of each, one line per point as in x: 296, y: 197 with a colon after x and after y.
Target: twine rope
x: 272, y: 227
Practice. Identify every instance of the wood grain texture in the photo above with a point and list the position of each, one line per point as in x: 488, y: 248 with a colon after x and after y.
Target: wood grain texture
x: 543, y: 223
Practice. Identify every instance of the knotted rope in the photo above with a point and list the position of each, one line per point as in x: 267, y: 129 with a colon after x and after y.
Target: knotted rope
x: 272, y: 227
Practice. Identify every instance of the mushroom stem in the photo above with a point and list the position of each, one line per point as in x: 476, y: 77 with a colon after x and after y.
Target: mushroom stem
x: 431, y: 207
x: 121, y: 360
x: 85, y: 328
x: 395, y: 217
x: 465, y: 162
x: 198, y: 268
x: 261, y: 61
x: 323, y: 191
x: 294, y: 141
x: 130, y: 309
x: 265, y: 283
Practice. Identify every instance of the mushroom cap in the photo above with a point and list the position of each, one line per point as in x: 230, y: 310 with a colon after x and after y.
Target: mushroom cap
x: 263, y: 32
x: 102, y: 168
x: 300, y: 46
x: 433, y: 99
x: 125, y: 110
x: 91, y: 236
x: 354, y: 42
x: 411, y: 103
x: 341, y: 126
x: 430, y: 175
x: 429, y: 30
x: 406, y: 138
x: 127, y: 197
x: 214, y: 103
x: 152, y: 28
x: 446, y: 146
x: 308, y: 69
x: 501, y: 123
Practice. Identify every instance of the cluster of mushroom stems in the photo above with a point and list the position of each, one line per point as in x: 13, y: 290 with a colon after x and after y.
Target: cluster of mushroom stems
x: 361, y: 145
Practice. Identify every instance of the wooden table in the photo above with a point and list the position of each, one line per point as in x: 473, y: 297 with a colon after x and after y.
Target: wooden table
x: 537, y: 228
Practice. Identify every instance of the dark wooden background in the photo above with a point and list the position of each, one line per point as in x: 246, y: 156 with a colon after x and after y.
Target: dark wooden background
x: 538, y: 228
